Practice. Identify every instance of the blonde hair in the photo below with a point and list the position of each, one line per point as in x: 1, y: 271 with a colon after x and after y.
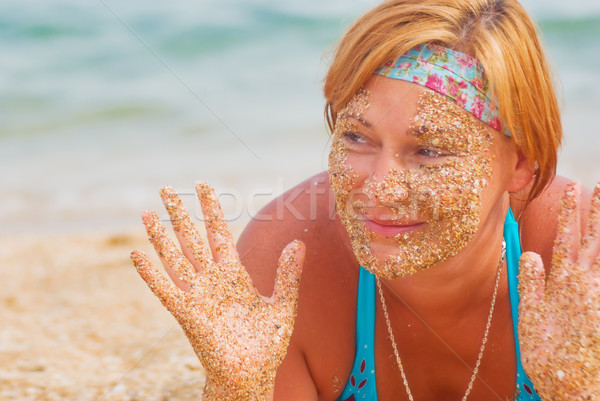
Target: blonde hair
x: 498, y: 33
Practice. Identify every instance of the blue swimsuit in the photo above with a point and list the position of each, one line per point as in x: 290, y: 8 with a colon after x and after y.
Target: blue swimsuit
x: 361, y: 384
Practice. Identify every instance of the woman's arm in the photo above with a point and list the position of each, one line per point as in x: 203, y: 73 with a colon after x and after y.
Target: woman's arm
x: 239, y: 336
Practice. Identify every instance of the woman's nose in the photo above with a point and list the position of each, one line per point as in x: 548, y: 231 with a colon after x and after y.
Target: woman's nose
x: 389, y: 177
x: 389, y: 189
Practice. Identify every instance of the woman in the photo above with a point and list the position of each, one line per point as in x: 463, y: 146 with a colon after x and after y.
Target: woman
x: 445, y: 129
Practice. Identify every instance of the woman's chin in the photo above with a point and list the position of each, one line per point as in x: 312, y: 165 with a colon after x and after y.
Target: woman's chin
x: 390, y: 261
x: 385, y: 261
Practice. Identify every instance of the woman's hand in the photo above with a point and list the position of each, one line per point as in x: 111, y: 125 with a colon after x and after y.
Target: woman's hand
x: 559, y: 319
x: 240, y: 337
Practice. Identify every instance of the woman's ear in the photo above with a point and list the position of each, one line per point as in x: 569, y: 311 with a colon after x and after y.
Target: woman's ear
x: 522, y: 173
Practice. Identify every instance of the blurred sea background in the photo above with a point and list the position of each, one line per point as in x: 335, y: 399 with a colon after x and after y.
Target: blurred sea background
x: 102, y: 102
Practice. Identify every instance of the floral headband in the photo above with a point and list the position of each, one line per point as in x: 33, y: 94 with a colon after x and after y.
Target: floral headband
x: 451, y: 73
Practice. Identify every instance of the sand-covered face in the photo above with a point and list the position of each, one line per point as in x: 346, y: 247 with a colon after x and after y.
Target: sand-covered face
x: 412, y: 198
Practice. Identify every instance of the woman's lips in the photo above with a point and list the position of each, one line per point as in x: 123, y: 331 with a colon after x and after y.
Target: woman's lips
x: 391, y: 228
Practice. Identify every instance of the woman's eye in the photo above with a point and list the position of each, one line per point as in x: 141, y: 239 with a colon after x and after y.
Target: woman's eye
x: 354, y: 138
x: 429, y: 153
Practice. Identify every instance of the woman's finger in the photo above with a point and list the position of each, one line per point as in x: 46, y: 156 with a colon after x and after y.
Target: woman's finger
x: 287, y: 282
x: 531, y: 303
x: 591, y: 240
x: 219, y: 237
x: 568, y: 235
x: 191, y: 241
x: 177, y: 266
x: 532, y: 281
x: 170, y: 296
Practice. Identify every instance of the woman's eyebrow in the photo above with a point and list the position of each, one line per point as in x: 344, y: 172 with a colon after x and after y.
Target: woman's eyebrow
x: 421, y: 129
x: 360, y: 119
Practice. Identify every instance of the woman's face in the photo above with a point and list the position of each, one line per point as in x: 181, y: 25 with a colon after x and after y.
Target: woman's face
x: 412, y: 173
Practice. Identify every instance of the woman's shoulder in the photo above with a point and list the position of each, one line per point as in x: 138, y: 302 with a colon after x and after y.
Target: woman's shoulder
x: 305, y: 212
x: 538, y: 219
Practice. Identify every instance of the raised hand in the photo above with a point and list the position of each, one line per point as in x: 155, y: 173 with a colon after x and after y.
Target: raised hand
x: 239, y: 336
x: 559, y: 319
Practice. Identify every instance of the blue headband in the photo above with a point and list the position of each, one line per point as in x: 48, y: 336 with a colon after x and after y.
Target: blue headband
x: 451, y: 73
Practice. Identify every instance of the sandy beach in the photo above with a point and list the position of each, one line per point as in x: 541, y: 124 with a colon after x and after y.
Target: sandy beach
x: 79, y: 324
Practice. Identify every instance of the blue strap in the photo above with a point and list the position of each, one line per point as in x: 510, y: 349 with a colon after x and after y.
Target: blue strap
x: 361, y: 383
x: 525, y: 390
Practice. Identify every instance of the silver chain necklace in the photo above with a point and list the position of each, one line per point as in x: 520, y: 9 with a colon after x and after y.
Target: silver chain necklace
x: 483, y: 342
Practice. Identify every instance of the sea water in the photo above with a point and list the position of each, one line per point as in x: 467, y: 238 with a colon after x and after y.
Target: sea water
x: 102, y: 102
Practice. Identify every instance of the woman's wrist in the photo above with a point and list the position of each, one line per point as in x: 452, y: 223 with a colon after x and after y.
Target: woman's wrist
x: 585, y: 395
x: 238, y: 392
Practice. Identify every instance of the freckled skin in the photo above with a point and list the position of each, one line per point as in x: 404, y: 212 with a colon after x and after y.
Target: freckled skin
x: 445, y: 194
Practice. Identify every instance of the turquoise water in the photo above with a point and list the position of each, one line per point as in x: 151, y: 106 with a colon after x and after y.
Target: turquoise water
x: 102, y: 102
